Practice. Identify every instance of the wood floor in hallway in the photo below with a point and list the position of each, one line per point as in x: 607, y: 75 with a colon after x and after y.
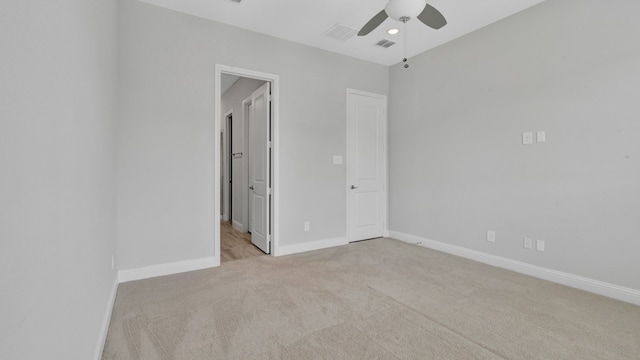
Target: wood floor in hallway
x: 236, y: 245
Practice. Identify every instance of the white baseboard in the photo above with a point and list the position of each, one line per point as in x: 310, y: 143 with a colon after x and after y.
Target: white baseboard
x: 166, y: 269
x: 575, y: 281
x: 310, y: 246
x: 104, y: 329
x: 237, y: 225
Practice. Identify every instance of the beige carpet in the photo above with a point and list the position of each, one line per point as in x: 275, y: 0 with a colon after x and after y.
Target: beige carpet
x: 379, y: 299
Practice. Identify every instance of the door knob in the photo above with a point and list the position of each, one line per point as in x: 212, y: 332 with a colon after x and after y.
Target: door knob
x: 353, y: 187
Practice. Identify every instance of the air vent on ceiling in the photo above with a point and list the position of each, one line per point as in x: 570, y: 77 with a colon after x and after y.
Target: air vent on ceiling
x: 385, y: 43
x: 341, y: 32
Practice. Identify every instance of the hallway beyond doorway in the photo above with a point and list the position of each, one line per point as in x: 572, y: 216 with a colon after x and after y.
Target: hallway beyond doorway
x: 236, y: 245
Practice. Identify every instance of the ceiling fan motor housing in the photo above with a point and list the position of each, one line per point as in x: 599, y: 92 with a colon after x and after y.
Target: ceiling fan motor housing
x: 397, y: 9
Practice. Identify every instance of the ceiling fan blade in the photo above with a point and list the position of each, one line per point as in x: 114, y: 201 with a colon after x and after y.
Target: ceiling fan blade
x: 373, y: 23
x: 432, y: 17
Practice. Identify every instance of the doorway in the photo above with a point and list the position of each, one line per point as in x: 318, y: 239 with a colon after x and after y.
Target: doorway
x: 247, y: 148
x: 251, y: 133
x: 366, y: 165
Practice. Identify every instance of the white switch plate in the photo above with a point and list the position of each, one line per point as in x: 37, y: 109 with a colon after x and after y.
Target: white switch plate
x: 540, y: 245
x: 541, y: 136
x: 337, y: 160
x: 307, y: 226
x: 491, y: 236
x: 527, y: 243
x: 527, y: 138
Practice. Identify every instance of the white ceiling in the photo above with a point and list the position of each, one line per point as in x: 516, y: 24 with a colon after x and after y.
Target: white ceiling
x: 307, y: 21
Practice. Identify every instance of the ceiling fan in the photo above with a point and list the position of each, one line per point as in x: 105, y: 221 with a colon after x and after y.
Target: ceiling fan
x: 405, y: 10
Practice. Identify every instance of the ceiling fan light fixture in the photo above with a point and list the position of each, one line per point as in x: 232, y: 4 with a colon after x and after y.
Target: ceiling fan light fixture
x: 403, y: 11
x: 393, y: 31
x: 397, y: 9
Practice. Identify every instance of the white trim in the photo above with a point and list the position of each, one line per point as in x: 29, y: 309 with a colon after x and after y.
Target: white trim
x: 106, y: 321
x: 366, y: 93
x: 237, y: 225
x: 385, y: 147
x: 310, y: 246
x: 575, y: 281
x: 275, y: 151
x: 226, y: 193
x: 245, y: 164
x: 166, y: 269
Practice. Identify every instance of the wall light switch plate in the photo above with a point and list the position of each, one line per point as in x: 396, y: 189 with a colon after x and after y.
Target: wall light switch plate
x: 541, y: 136
x: 337, y: 160
x: 540, y: 245
x: 527, y: 138
x: 491, y: 236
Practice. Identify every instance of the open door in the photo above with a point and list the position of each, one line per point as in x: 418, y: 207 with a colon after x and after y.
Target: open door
x: 260, y: 151
x: 264, y: 149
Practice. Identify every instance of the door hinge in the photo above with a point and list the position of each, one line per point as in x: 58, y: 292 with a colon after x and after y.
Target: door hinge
x: 269, y: 144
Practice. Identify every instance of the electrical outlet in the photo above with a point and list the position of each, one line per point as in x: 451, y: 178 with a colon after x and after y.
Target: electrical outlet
x: 540, y: 245
x: 527, y: 138
x: 307, y: 226
x: 527, y: 242
x: 491, y: 236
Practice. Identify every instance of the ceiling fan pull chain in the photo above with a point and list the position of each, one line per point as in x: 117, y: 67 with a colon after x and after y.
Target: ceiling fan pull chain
x: 405, y: 20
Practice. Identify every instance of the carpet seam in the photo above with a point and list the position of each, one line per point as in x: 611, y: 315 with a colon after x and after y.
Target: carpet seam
x: 437, y: 322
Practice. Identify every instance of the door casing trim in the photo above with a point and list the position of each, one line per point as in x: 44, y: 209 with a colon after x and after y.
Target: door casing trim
x: 275, y: 151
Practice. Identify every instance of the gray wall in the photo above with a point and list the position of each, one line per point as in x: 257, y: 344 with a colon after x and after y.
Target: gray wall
x: 457, y: 163
x: 232, y: 100
x: 57, y: 182
x: 166, y: 139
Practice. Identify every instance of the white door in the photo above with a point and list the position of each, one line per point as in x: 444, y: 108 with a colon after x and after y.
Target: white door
x: 250, y: 167
x: 366, y: 165
x: 260, y: 161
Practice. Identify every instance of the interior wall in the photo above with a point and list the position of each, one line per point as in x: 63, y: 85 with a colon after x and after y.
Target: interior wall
x: 166, y: 135
x: 232, y: 100
x: 458, y: 166
x: 57, y: 170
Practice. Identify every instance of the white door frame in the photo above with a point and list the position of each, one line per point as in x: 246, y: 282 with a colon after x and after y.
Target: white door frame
x: 275, y: 151
x: 226, y: 165
x: 385, y: 202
